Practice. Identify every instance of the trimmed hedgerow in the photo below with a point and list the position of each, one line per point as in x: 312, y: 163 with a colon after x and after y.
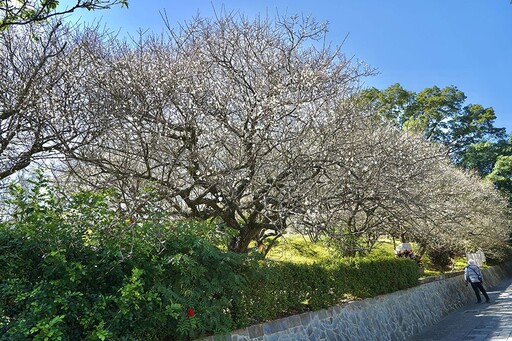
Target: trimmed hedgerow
x: 275, y: 289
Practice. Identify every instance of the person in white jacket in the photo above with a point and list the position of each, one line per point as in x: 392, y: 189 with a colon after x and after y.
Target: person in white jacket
x: 473, y: 275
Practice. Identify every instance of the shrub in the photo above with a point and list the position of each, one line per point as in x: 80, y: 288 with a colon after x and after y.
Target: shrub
x: 73, y: 268
x: 441, y: 257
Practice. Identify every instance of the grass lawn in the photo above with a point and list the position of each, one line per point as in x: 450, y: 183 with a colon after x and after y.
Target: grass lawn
x: 296, y: 249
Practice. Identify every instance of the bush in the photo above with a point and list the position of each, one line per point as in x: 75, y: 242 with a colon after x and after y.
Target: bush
x: 441, y: 257
x: 72, y: 268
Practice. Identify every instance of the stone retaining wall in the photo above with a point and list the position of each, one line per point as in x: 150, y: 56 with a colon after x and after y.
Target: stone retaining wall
x: 396, y: 316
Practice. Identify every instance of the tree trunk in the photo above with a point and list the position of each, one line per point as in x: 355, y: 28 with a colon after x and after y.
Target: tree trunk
x: 240, y: 243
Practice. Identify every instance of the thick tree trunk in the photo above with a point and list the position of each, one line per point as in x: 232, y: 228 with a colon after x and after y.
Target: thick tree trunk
x: 240, y: 243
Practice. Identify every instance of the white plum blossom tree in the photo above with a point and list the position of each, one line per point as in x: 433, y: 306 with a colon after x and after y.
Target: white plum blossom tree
x: 256, y: 124
x: 43, y: 94
x: 219, y: 118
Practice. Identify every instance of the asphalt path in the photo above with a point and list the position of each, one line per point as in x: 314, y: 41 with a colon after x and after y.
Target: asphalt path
x: 484, y: 321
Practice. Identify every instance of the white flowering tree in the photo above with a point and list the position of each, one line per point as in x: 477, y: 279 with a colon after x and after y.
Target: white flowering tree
x: 43, y: 94
x: 375, y: 188
x: 220, y: 119
x: 470, y: 214
x: 381, y: 182
x: 255, y: 124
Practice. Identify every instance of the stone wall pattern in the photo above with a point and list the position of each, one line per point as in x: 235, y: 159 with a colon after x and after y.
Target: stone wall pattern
x: 393, y: 317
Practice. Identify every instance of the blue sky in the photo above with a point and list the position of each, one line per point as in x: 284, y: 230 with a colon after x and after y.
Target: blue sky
x: 417, y: 43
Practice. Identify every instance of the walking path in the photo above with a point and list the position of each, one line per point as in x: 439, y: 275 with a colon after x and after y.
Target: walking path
x: 477, y: 322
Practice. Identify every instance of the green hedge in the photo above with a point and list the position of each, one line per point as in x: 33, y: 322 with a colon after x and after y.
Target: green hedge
x: 72, y: 269
x: 277, y: 289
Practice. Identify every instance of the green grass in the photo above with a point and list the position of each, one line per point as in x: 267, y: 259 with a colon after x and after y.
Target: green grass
x: 297, y: 249
x: 382, y: 249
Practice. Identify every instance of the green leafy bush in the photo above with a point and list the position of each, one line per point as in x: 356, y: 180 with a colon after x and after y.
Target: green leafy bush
x: 72, y: 268
x: 440, y: 257
x: 370, y: 277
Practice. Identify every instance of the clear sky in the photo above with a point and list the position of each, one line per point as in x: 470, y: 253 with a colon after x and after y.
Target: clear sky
x: 417, y: 43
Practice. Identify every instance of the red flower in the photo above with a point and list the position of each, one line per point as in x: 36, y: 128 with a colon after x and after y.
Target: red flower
x: 190, y: 312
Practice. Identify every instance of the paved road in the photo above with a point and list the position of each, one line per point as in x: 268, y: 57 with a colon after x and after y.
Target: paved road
x: 477, y: 322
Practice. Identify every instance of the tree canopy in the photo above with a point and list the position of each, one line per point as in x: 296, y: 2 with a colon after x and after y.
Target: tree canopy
x: 256, y: 125
x: 482, y: 156
x: 501, y: 174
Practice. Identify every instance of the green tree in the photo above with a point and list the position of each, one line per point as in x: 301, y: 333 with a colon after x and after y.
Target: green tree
x: 492, y: 160
x: 482, y: 156
x: 440, y: 115
x: 393, y: 104
x: 501, y: 175
x: 23, y: 12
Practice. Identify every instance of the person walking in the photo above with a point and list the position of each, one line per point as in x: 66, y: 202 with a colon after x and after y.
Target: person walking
x: 473, y: 275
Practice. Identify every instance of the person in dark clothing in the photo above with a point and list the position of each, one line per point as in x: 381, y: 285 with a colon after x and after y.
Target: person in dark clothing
x: 473, y: 275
